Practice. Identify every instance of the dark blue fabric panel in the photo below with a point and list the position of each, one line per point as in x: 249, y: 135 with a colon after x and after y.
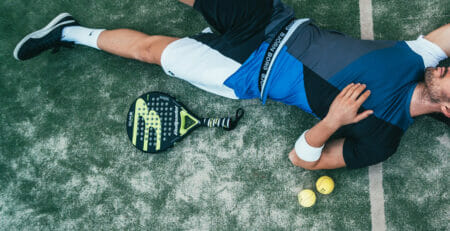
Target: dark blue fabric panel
x: 392, y: 75
x: 328, y: 52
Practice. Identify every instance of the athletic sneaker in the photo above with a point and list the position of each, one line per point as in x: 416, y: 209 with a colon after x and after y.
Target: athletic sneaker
x: 48, y: 37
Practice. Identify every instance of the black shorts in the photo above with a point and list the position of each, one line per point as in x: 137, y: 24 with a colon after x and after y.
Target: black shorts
x: 241, y: 25
x: 207, y: 59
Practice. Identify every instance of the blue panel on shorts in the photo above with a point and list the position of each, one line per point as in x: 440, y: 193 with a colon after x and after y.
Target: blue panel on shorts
x: 285, y: 83
x: 244, y: 81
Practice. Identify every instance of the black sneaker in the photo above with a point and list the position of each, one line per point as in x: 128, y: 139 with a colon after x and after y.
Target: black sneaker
x: 48, y: 37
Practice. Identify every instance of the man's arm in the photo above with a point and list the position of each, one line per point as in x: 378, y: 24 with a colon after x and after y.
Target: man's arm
x: 188, y: 2
x: 441, y: 37
x: 343, y: 111
x: 332, y: 157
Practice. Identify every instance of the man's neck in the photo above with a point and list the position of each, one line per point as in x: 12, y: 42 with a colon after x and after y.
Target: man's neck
x: 421, y: 103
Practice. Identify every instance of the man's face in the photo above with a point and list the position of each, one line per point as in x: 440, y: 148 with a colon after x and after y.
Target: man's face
x: 437, y: 82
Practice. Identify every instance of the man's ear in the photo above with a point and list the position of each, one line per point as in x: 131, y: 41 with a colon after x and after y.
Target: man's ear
x: 445, y: 110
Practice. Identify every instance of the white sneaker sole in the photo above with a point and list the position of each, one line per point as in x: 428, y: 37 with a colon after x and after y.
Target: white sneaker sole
x: 42, y: 32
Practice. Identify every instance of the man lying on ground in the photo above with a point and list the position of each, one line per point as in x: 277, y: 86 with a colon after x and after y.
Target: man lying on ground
x: 260, y: 50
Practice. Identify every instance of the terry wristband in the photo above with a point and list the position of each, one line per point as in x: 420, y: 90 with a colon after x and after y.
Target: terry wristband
x: 305, y: 151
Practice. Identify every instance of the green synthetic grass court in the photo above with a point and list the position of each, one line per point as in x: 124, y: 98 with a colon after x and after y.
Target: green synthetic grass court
x: 66, y: 162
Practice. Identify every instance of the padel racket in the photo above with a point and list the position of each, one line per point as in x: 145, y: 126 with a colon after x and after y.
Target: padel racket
x: 156, y: 121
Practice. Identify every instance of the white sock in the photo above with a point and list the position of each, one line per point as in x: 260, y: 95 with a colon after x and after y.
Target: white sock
x: 81, y: 35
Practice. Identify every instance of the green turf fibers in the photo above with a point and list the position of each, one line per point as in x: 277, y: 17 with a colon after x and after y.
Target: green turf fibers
x: 66, y: 162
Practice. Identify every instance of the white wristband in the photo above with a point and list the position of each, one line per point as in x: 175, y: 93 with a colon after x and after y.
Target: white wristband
x: 305, y: 151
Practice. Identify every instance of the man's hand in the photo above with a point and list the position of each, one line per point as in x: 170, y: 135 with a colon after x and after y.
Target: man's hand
x: 344, y: 109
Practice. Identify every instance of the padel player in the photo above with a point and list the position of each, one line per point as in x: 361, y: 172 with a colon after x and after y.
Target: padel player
x: 258, y: 49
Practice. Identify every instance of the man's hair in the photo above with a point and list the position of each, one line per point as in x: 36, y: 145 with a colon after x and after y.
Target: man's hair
x: 440, y: 117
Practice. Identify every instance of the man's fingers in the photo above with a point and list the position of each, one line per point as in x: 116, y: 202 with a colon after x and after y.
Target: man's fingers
x: 358, y: 91
x: 345, y: 90
x: 363, y: 115
x: 351, y: 90
x: 363, y: 98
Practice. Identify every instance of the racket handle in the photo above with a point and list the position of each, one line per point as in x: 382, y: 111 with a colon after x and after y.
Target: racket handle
x: 226, y: 123
x: 216, y: 122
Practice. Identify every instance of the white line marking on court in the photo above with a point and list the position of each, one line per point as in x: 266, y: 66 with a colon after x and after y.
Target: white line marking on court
x: 377, y: 197
x: 366, y: 19
x: 376, y: 191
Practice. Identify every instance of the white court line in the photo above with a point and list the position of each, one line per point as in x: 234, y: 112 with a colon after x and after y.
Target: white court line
x: 377, y: 197
x: 376, y: 171
x: 366, y: 19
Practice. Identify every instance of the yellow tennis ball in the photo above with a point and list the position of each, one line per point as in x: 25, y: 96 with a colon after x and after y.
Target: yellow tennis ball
x: 307, y: 198
x: 325, y: 185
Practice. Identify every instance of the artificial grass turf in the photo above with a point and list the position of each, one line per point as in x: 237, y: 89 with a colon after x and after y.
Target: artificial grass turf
x: 66, y: 162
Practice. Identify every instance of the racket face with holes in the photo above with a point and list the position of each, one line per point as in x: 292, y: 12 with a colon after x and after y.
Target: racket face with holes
x: 156, y: 121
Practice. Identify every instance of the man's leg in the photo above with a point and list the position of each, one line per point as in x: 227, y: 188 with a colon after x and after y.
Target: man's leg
x: 64, y: 29
x: 134, y: 45
x: 122, y: 42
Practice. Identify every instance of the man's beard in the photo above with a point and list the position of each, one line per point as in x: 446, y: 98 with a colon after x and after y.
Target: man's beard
x: 431, y: 89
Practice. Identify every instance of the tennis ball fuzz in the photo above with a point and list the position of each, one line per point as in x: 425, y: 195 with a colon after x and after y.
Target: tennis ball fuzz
x: 306, y: 198
x: 325, y: 185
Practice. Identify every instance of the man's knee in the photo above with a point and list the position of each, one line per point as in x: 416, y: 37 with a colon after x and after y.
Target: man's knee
x: 145, y: 54
x: 150, y: 49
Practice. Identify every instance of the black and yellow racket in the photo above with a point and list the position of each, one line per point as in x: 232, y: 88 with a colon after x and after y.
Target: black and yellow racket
x: 156, y: 121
